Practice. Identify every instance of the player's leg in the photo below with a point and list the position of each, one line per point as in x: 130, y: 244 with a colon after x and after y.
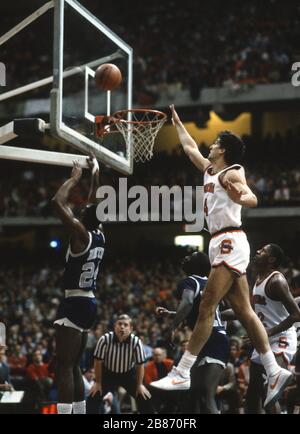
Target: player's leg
x: 239, y: 299
x: 218, y: 284
x: 205, y: 380
x: 255, y: 389
x: 68, y: 343
x: 79, y: 404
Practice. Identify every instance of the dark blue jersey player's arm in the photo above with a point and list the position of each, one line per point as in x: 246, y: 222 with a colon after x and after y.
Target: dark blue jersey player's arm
x: 79, y: 237
x: 95, y: 184
x: 186, y: 293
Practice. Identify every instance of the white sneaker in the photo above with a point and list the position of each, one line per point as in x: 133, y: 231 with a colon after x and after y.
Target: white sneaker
x: 276, y: 384
x: 175, y: 380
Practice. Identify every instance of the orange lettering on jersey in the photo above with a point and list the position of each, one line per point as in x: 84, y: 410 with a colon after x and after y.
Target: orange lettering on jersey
x: 259, y: 299
x: 226, y: 247
x: 209, y: 188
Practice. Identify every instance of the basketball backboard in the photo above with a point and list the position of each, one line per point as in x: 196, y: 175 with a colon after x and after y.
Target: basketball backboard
x: 58, y: 86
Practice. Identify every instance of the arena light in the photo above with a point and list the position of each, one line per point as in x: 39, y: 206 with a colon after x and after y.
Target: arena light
x: 55, y: 243
x: 190, y: 241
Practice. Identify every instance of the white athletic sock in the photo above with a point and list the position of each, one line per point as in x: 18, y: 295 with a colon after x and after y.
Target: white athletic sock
x: 186, y: 362
x: 64, y: 408
x: 79, y: 407
x: 270, y: 364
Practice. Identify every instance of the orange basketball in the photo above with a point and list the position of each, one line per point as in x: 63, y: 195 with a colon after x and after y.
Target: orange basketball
x: 108, y: 76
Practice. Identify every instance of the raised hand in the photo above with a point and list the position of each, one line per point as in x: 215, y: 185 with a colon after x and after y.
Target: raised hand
x: 76, y: 171
x: 93, y: 163
x: 161, y: 311
x: 175, y: 117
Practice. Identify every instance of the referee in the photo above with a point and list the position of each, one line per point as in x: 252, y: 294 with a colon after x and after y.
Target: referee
x: 119, y: 361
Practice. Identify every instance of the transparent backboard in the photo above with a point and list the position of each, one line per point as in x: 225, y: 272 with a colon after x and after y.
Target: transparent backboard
x: 82, y: 44
x: 28, y: 58
x: 49, y: 58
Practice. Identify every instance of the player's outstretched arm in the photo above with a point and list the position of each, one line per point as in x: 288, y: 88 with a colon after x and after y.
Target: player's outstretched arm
x: 278, y: 289
x: 59, y: 202
x: 188, y: 143
x: 95, y: 182
x: 184, y: 308
x: 238, y: 190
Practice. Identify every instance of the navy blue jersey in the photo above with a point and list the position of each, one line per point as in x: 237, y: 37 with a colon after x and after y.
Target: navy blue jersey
x: 81, y: 269
x: 197, y: 284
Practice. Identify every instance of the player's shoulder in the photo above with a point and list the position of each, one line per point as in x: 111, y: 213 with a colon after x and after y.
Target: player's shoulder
x: 193, y: 281
x: 98, y: 236
x: 234, y: 170
x: 276, y: 284
x: 233, y: 173
x: 277, y: 278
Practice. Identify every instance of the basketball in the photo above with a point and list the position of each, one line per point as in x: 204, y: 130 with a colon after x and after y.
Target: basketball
x: 108, y: 76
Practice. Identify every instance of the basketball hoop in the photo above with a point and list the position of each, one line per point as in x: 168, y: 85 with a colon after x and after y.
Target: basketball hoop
x: 138, y: 126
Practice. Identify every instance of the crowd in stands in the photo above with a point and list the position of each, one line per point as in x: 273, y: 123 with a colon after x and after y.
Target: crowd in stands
x: 29, y: 299
x: 177, y: 46
x: 272, y: 173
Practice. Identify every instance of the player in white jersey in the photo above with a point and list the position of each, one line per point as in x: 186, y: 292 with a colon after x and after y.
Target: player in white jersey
x: 277, y: 309
x: 225, y: 192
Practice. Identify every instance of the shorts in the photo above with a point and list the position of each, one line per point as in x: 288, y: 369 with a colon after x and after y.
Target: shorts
x: 77, y: 311
x: 281, y: 345
x: 230, y: 249
x: 216, y: 350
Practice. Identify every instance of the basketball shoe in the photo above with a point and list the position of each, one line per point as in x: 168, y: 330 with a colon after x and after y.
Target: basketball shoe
x: 175, y: 380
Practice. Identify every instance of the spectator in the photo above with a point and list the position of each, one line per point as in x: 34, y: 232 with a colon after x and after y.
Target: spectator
x: 40, y: 380
x: 5, y: 382
x: 156, y: 369
x: 17, y: 363
x: 227, y: 391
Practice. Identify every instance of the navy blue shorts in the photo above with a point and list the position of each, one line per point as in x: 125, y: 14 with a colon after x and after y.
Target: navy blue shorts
x: 81, y: 311
x: 217, y: 347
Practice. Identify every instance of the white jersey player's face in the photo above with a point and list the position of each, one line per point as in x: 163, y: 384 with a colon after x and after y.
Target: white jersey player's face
x: 262, y: 256
x: 215, y: 151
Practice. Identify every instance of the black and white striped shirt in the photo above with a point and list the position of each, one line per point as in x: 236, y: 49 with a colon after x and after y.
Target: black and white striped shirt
x: 119, y: 357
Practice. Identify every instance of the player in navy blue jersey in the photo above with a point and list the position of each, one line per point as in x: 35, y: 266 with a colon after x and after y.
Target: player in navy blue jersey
x: 77, y: 312
x: 207, y: 371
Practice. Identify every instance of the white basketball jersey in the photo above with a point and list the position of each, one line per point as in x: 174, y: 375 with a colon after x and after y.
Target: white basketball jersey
x: 270, y: 312
x: 219, y: 210
x: 297, y: 324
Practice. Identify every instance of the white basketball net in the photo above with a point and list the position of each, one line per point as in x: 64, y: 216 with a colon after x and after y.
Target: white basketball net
x: 141, y: 130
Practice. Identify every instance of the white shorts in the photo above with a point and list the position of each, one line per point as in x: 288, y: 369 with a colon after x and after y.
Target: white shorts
x: 230, y: 249
x: 284, y: 345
